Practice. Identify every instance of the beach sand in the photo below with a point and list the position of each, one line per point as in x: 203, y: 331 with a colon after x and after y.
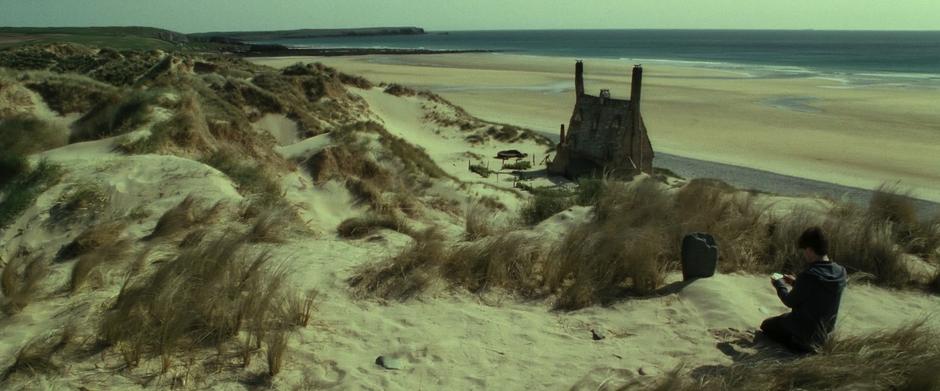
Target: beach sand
x: 821, y: 129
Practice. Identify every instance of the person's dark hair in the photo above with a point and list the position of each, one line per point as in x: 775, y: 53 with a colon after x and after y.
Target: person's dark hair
x: 814, y: 238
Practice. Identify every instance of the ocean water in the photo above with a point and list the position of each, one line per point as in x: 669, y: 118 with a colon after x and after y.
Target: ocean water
x: 854, y: 57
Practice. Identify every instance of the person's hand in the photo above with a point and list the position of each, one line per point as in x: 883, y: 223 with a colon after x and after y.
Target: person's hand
x: 789, y: 279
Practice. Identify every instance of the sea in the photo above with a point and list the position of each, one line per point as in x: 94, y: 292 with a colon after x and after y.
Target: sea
x: 909, y: 58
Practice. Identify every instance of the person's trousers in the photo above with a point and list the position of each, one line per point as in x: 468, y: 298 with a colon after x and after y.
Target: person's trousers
x: 781, y: 330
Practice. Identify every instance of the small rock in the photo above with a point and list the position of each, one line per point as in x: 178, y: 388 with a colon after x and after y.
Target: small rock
x: 598, y: 334
x: 644, y: 371
x: 389, y: 362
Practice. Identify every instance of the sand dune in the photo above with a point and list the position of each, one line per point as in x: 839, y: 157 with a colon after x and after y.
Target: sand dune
x: 859, y: 136
x: 446, y: 338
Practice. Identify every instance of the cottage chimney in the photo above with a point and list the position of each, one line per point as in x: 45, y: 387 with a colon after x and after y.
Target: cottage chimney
x: 561, y: 140
x: 636, y: 87
x: 579, y: 79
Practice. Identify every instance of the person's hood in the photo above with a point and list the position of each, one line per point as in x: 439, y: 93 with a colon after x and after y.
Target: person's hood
x: 828, y: 273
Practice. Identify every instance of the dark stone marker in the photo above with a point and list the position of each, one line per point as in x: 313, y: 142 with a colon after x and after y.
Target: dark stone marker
x: 699, y: 256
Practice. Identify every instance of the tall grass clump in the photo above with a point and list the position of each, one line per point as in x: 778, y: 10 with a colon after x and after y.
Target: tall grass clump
x: 88, y: 266
x: 405, y: 275
x: 921, y: 237
x: 514, y: 261
x: 21, y: 192
x: 623, y: 250
x: 68, y: 93
x: 907, y: 358
x: 80, y: 202
x: 19, y: 282
x: 546, y: 203
x: 251, y: 178
x: 737, y: 223
x: 205, y: 296
x: 360, y: 227
x: 11, y: 166
x: 117, y: 115
x: 483, y: 218
x: 35, y: 357
x: 23, y: 134
x: 92, y: 238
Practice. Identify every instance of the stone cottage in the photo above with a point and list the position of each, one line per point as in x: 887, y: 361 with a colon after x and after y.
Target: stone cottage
x: 605, y: 134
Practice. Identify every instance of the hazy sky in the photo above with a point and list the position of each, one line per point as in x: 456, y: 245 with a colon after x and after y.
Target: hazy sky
x: 208, y: 15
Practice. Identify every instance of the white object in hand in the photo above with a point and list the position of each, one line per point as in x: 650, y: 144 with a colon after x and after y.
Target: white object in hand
x: 776, y: 276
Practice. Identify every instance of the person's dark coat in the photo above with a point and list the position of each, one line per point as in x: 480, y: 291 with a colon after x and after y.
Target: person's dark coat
x: 815, y: 300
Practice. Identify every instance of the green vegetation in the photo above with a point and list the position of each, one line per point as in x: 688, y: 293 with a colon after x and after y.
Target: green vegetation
x: 121, y: 38
x: 22, y: 190
x: 12, y: 166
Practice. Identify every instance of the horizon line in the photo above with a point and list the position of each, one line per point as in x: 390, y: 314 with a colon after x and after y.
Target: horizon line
x: 427, y: 30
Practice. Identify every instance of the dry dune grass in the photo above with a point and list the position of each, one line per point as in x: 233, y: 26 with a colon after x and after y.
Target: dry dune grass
x: 633, y: 240
x: 117, y: 115
x: 482, y: 219
x: 405, y: 275
x: 36, y: 356
x: 190, y: 213
x: 513, y: 261
x: 89, y: 264
x: 360, y: 227
x: 206, y: 296
x: 20, y: 282
x: 79, y: 203
x: 270, y: 227
x: 24, y: 134
x: 904, y: 359
x: 176, y: 219
x: 92, y: 238
x: 69, y: 93
x: 20, y: 191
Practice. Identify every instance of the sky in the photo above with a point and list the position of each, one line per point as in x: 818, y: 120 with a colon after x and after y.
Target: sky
x: 215, y: 15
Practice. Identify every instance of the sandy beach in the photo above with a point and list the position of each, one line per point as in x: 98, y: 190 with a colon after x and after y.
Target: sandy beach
x: 820, y: 129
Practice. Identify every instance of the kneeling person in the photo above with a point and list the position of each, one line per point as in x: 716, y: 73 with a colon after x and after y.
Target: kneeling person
x: 814, y: 298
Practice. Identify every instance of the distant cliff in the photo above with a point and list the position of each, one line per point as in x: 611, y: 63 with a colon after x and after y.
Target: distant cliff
x: 248, y: 36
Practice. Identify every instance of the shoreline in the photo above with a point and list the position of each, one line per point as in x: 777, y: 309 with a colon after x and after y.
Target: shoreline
x: 339, y: 51
x: 800, y: 127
